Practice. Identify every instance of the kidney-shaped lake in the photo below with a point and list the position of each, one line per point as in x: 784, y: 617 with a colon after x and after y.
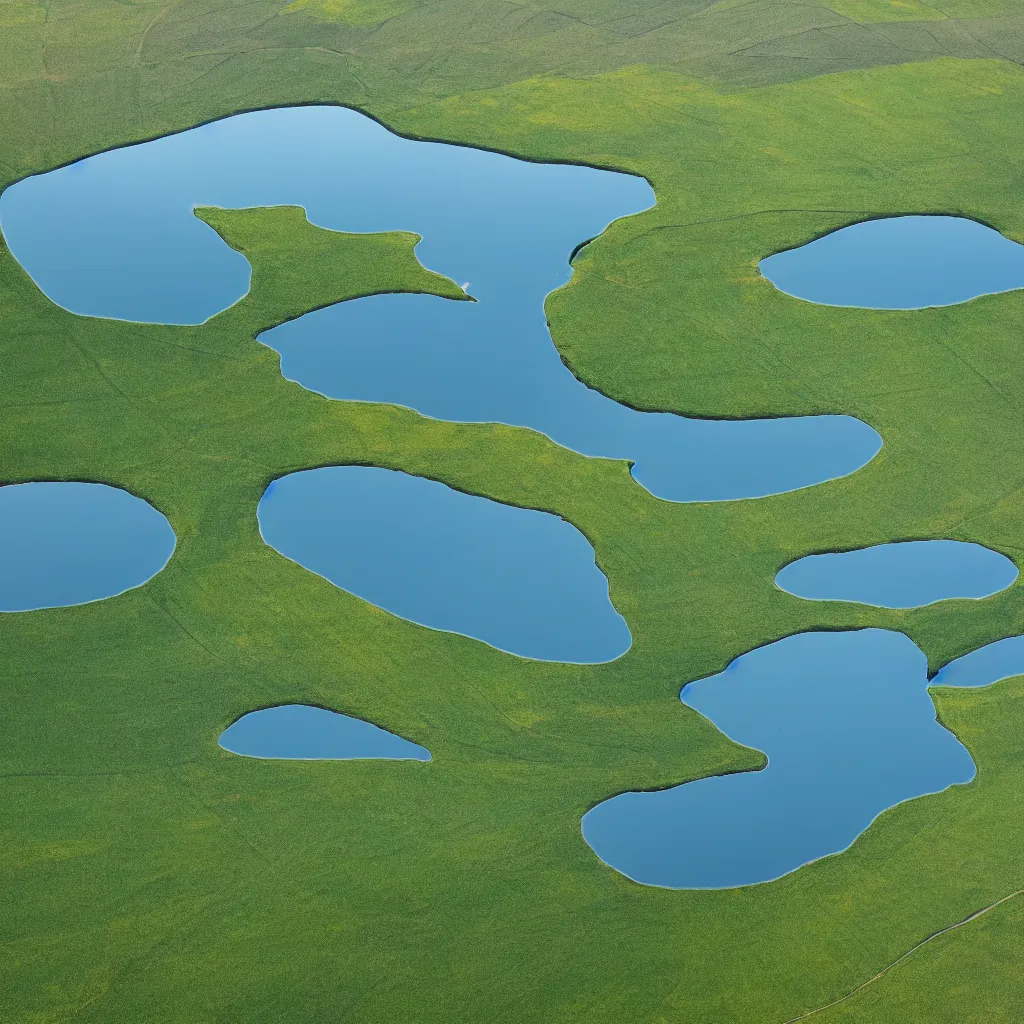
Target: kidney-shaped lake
x: 523, y: 581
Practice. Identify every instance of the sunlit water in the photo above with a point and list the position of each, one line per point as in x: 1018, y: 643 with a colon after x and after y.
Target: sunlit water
x: 905, y: 575
x: 523, y: 581
x: 849, y: 730
x: 303, y: 733
x: 72, y: 543
x: 985, y: 666
x: 900, y: 263
x: 114, y: 236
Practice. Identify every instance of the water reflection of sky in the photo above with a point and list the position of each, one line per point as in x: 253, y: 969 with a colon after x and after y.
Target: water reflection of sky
x: 900, y: 263
x: 849, y: 730
x: 114, y: 236
x: 520, y: 580
x: 304, y: 733
x: 71, y: 543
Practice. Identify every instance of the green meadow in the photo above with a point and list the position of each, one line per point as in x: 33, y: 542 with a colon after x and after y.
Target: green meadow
x: 147, y: 876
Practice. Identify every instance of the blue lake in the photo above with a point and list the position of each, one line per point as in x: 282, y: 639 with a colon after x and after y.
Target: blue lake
x: 986, y: 665
x: 523, y: 581
x: 71, y: 543
x: 900, y: 263
x: 114, y: 236
x: 904, y: 575
x: 849, y: 730
x: 303, y: 733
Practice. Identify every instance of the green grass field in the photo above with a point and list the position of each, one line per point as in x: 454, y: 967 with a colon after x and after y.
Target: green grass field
x: 146, y: 875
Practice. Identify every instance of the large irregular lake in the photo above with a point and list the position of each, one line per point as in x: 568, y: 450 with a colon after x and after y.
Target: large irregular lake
x: 72, y: 543
x: 900, y: 263
x: 523, y: 581
x: 114, y: 236
x: 849, y: 730
x: 909, y: 574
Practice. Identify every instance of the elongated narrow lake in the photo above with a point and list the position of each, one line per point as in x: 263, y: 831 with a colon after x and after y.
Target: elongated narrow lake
x: 522, y: 581
x: 905, y: 575
x: 900, y: 263
x: 114, y: 236
x: 985, y: 666
x: 299, y: 732
x: 72, y: 543
x: 849, y: 730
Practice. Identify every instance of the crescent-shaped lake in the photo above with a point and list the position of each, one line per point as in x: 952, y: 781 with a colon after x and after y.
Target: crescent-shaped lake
x: 909, y: 262
x: 114, y: 236
x: 523, y: 581
x: 72, y: 543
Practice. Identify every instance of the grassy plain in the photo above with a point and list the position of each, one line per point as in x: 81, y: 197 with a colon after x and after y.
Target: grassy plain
x: 150, y: 876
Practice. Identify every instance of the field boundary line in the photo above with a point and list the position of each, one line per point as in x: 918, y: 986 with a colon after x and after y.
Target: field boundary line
x: 895, y: 963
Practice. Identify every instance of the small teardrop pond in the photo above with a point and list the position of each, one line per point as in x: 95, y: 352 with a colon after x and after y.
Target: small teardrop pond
x: 69, y: 543
x: 301, y: 732
x: 114, y: 235
x: 849, y: 730
x: 911, y: 262
x: 520, y: 580
x: 909, y: 574
x: 1000, y: 660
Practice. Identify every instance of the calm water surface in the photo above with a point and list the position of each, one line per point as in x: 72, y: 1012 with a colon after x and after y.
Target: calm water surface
x: 987, y: 665
x: 522, y: 581
x: 900, y: 263
x: 71, y: 543
x: 905, y: 575
x: 844, y: 718
x: 114, y: 236
x: 849, y: 730
x: 303, y: 733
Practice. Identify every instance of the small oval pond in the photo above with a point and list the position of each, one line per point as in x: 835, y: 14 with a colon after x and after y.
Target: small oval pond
x: 114, y: 236
x: 849, y: 730
x: 299, y: 732
x: 904, y: 575
x: 523, y: 581
x: 72, y: 543
x: 900, y: 263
